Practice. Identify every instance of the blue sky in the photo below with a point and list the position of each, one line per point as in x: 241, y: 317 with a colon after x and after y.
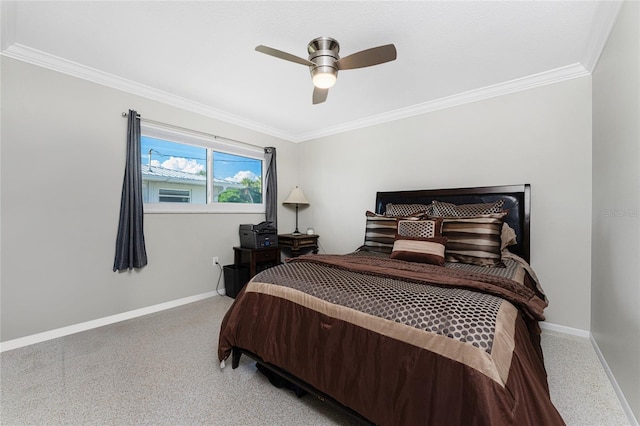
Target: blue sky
x: 193, y: 159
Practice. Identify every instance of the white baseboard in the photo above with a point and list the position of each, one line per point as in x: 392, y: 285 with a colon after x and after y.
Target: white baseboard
x: 623, y: 401
x: 564, y: 329
x: 88, y: 325
x: 587, y: 334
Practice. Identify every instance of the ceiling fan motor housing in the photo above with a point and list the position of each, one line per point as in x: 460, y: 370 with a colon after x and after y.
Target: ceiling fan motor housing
x: 323, y: 51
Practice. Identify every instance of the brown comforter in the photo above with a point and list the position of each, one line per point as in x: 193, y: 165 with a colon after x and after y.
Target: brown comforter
x: 400, y: 343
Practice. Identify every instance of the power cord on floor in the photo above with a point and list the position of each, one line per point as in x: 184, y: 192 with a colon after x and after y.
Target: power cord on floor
x: 321, y: 249
x: 219, y: 277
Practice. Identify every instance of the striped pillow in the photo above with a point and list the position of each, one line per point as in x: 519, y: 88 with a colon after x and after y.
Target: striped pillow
x: 474, y: 240
x: 423, y: 250
x: 380, y: 232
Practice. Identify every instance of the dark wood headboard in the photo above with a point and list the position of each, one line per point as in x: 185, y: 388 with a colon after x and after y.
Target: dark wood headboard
x: 517, y: 199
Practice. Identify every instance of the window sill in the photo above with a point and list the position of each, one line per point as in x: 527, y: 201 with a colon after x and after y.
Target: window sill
x: 234, y: 208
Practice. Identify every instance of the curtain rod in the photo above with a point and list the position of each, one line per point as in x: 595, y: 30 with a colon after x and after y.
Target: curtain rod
x: 198, y: 132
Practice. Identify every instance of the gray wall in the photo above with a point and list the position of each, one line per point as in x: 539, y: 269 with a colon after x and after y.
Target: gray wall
x: 615, y: 291
x: 63, y: 155
x: 539, y: 136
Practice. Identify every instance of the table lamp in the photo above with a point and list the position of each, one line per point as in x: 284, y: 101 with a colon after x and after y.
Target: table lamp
x: 296, y: 197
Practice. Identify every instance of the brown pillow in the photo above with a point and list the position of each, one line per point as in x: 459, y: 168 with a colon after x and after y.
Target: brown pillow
x: 380, y: 231
x: 423, y: 250
x: 466, y: 210
x: 420, y: 228
x: 406, y: 209
x: 475, y: 240
x: 507, y: 236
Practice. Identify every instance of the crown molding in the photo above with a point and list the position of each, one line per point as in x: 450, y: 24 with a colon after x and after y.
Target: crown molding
x: 55, y: 63
x: 541, y: 79
x: 43, y: 59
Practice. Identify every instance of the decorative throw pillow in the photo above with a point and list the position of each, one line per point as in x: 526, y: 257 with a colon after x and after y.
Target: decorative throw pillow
x: 423, y: 250
x: 420, y: 228
x: 507, y: 236
x: 406, y: 209
x: 380, y: 232
x: 466, y: 210
x: 475, y: 240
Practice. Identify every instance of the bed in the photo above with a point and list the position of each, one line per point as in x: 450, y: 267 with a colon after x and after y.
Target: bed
x: 432, y: 321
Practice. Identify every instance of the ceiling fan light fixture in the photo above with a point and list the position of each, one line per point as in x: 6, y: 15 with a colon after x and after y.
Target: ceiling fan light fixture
x: 324, y: 62
x: 324, y: 80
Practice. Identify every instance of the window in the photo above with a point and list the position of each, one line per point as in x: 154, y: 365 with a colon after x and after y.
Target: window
x: 187, y: 172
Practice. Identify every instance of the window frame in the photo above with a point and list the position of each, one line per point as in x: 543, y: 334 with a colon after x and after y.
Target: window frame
x: 209, y: 143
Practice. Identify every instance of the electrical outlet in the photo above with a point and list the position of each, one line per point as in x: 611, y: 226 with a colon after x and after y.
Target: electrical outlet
x: 215, y: 260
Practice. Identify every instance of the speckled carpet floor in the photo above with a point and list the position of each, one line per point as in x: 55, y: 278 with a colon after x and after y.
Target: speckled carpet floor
x: 162, y: 369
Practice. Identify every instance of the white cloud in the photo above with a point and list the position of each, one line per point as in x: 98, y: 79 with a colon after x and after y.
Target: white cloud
x: 155, y: 163
x: 242, y: 175
x: 183, y: 165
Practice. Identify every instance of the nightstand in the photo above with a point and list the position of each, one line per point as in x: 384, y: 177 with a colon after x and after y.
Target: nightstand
x: 256, y: 259
x: 298, y: 243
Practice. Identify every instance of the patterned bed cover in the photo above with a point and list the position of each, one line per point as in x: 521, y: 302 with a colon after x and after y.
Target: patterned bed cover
x: 401, y: 342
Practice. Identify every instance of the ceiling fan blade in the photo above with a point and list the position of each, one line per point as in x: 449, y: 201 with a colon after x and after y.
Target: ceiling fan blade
x: 319, y: 95
x: 366, y: 58
x: 283, y: 55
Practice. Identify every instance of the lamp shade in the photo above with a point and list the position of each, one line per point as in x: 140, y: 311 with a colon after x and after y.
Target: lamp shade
x: 296, y: 197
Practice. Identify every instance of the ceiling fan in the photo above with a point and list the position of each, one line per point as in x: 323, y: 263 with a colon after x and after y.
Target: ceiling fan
x: 324, y: 61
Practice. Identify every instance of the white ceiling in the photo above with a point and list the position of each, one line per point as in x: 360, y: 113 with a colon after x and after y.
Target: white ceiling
x: 200, y: 55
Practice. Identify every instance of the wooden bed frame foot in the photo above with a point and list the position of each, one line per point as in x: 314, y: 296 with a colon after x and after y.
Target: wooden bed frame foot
x: 235, y: 357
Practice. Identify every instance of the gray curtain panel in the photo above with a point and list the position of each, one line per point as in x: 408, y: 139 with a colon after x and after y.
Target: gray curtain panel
x: 271, y: 192
x: 130, y: 249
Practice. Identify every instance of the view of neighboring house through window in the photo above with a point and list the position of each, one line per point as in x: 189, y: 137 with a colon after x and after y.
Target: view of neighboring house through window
x: 170, y: 170
x: 183, y: 169
x: 174, y: 195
